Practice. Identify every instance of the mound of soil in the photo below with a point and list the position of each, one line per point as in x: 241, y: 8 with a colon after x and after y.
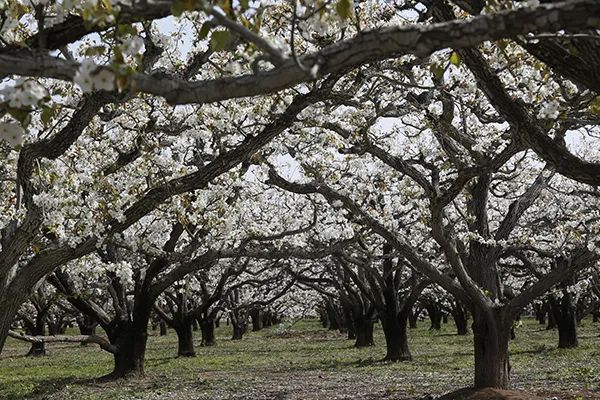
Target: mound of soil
x: 488, y: 394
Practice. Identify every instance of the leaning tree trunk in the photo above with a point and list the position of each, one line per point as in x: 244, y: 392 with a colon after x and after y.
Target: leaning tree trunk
x: 491, y: 336
x: 185, y: 338
x: 396, y: 339
x: 364, y: 332
x: 207, y: 327
x: 566, y: 320
x: 9, y: 304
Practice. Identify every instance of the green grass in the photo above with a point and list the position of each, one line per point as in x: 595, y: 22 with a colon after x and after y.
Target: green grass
x: 303, y: 362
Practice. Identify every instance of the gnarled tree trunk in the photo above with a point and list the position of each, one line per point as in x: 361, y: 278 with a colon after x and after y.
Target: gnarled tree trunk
x: 491, y: 335
x: 185, y: 338
x: 396, y: 339
x: 364, y: 332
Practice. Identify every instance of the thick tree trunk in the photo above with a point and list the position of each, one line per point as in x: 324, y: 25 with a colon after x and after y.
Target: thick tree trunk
x: 129, y: 359
x: 130, y: 338
x: 9, y: 304
x: 185, y: 339
x: 364, y: 332
x: 566, y: 319
x: 207, y: 326
x: 396, y: 339
x: 491, y: 337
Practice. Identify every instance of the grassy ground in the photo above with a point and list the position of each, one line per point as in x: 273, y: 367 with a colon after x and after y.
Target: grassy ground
x: 303, y: 362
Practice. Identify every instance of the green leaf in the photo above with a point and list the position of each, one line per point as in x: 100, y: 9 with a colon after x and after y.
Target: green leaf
x: 595, y: 106
x: 127, y: 29
x: 48, y: 113
x: 437, y: 70
x: 455, y: 59
x: 95, y: 51
x: 204, y: 30
x: 20, y: 114
x: 179, y: 6
x: 344, y: 8
x: 245, y: 4
x: 219, y: 40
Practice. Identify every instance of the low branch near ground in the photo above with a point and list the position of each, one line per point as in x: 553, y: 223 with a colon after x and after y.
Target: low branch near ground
x: 83, y: 339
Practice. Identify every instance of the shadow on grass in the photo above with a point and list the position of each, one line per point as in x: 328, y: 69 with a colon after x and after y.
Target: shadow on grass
x: 46, y: 387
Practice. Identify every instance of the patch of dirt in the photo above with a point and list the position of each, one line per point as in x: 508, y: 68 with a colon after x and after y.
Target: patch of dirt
x: 497, y: 394
x: 488, y: 394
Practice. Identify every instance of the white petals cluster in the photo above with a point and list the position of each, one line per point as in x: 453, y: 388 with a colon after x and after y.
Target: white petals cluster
x: 90, y: 77
x: 549, y: 110
x: 12, y: 133
x: 24, y: 93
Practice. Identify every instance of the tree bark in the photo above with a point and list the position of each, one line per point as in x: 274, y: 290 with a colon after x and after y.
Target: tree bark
x: 129, y: 358
x: 565, y: 316
x: 551, y: 321
x: 9, y: 304
x: 364, y: 332
x: 87, y: 326
x: 459, y: 315
x: 491, y: 336
x: 238, y: 331
x: 130, y: 338
x: 413, y: 318
x: 163, y: 328
x: 396, y: 339
x: 256, y: 317
x: 39, y: 348
x: 207, y: 326
x: 185, y: 339
x: 540, y: 313
x: 435, y: 316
